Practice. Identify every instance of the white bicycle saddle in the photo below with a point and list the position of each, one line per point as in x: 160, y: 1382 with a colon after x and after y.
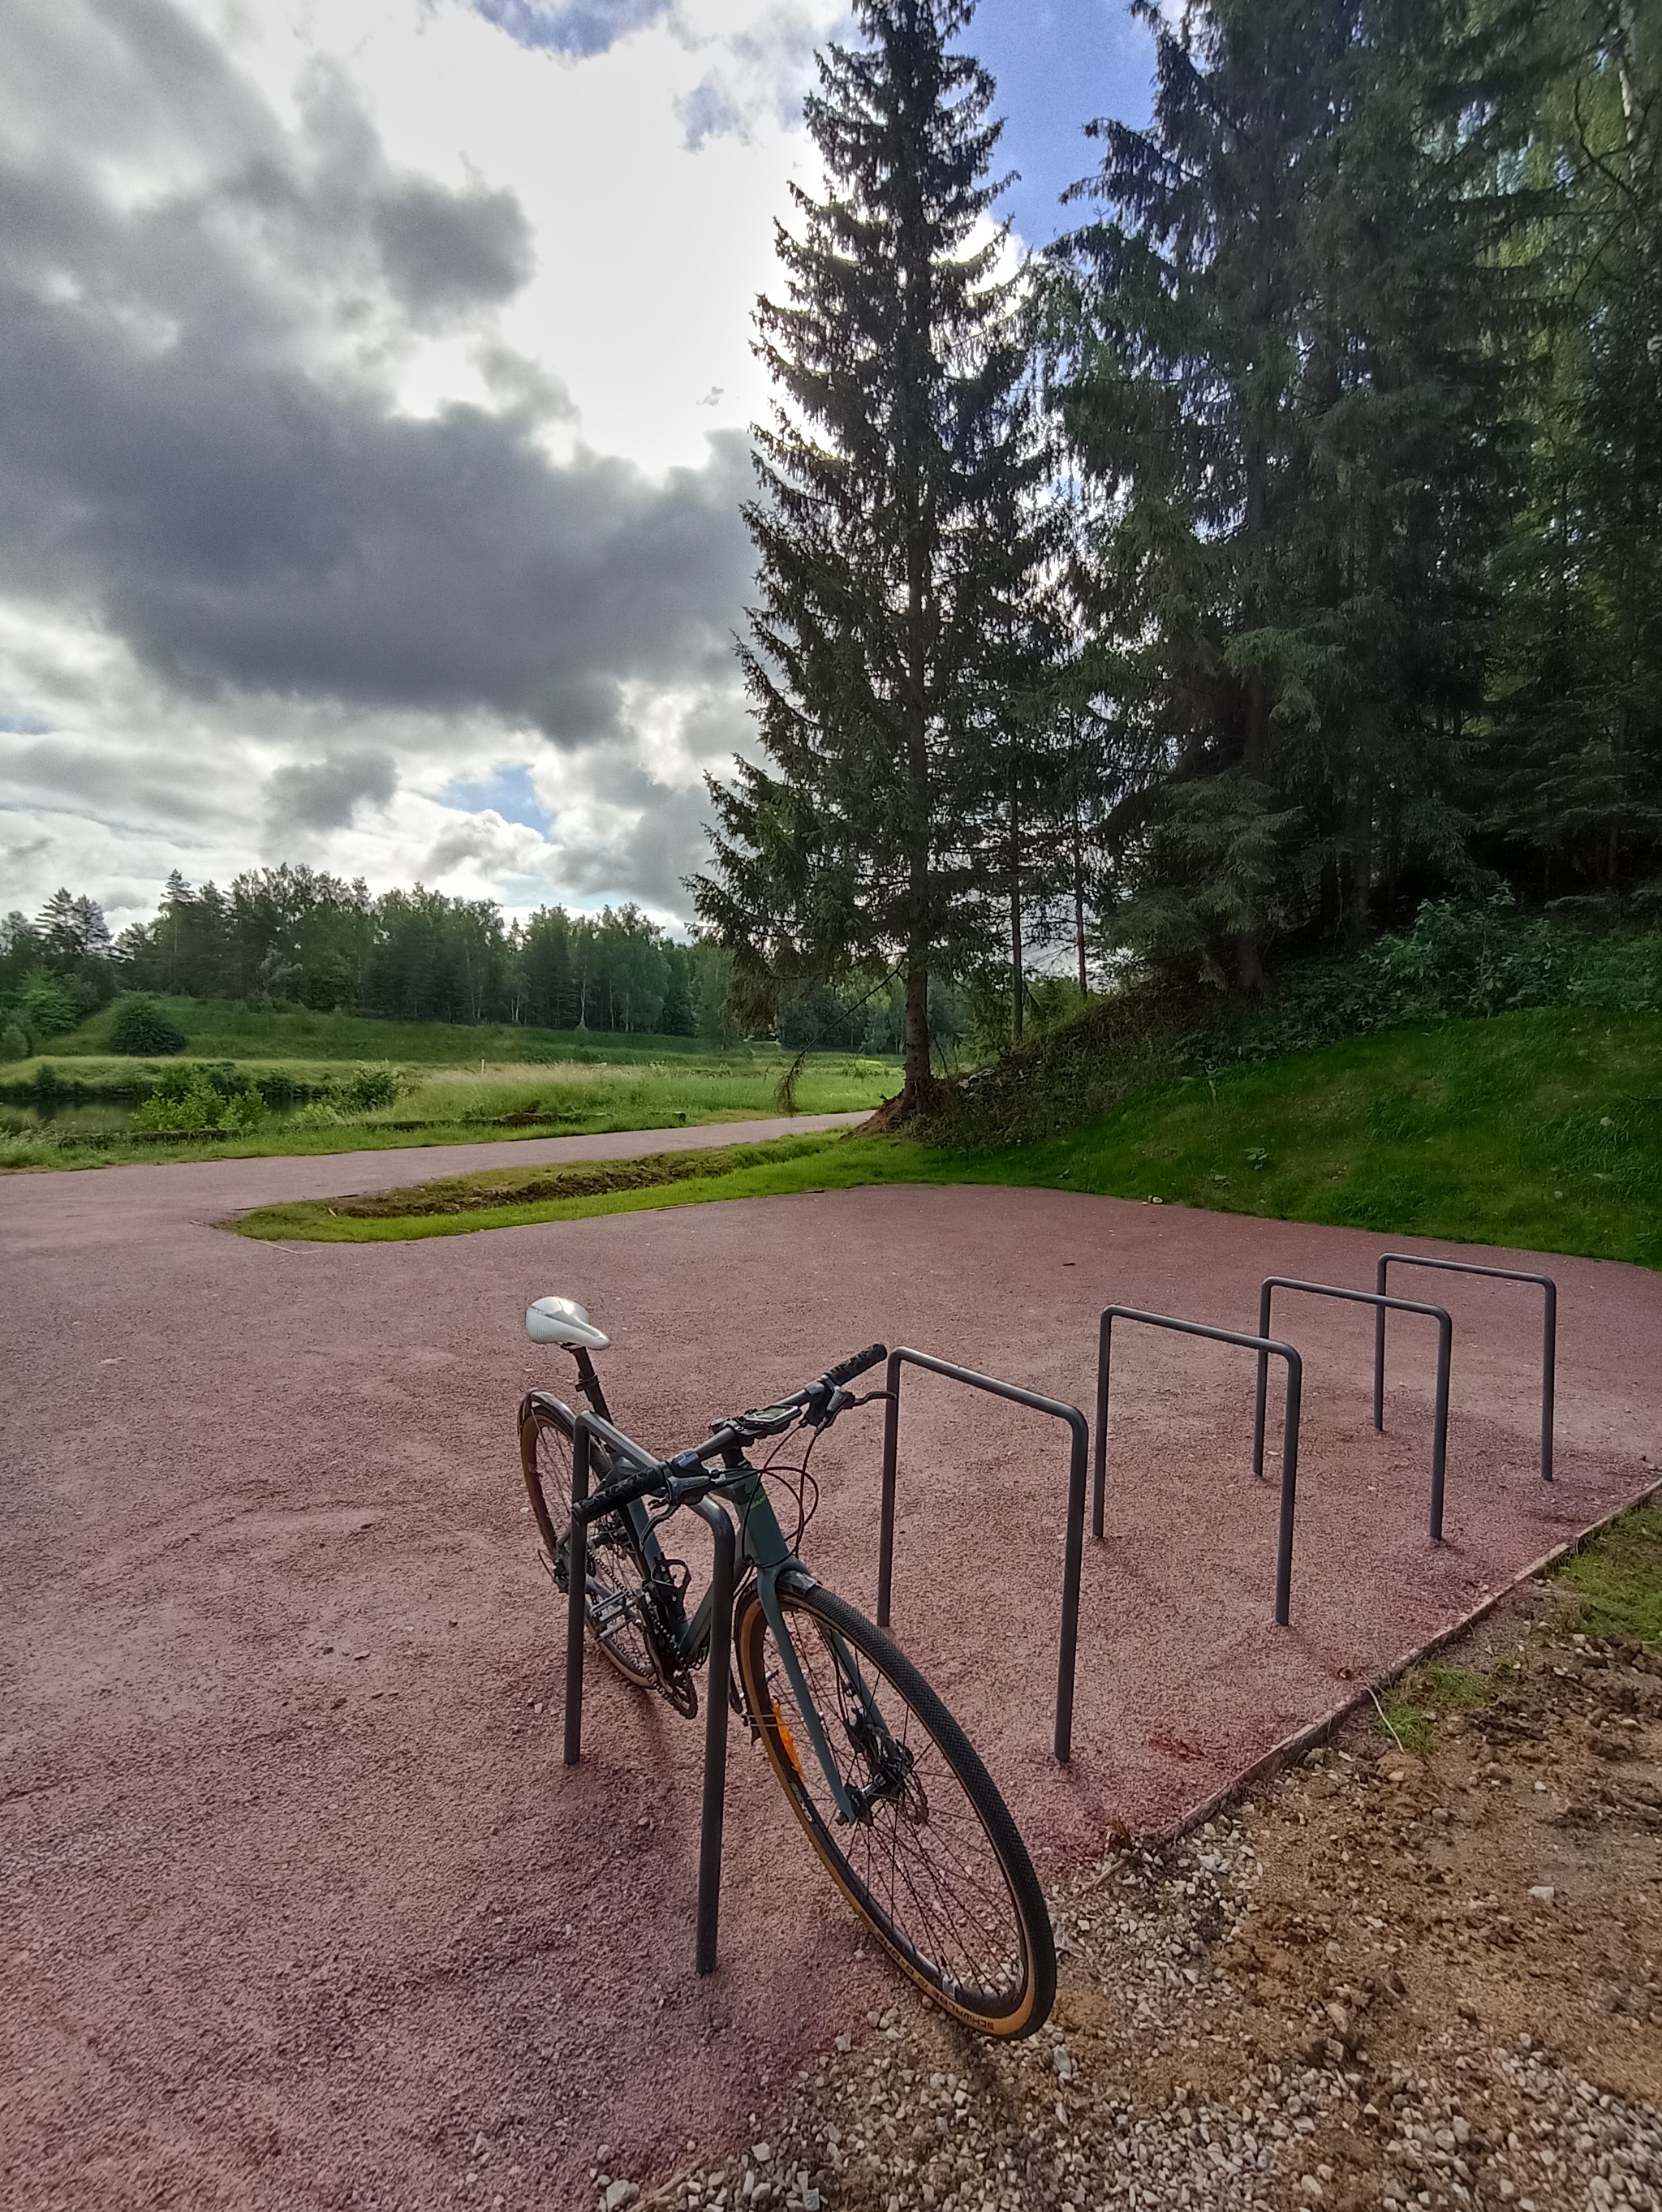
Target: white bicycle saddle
x: 562, y: 1321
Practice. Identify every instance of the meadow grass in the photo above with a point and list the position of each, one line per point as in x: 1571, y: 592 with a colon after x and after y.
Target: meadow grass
x: 454, y: 1105
x: 224, y: 1028
x: 1538, y: 1130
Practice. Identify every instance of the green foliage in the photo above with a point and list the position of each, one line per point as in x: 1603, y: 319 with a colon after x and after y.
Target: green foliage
x: 201, y: 1098
x: 1459, y: 961
x: 348, y: 1098
x: 1571, y: 772
x: 14, y: 1043
x: 291, y: 938
x: 1284, y: 352
x: 141, y: 1030
x: 45, y: 1006
x: 1541, y: 1131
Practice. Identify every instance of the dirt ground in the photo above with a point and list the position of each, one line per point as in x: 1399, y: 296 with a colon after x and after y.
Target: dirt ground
x: 1387, y: 1980
x: 297, y: 1904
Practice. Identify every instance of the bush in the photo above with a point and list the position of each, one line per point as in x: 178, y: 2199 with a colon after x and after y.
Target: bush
x: 1460, y: 962
x: 220, y: 1098
x: 366, y: 1088
x: 15, y: 1043
x: 45, y: 1007
x: 141, y: 1031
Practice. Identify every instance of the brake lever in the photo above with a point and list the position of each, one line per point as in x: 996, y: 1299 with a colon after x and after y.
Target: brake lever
x: 840, y: 1402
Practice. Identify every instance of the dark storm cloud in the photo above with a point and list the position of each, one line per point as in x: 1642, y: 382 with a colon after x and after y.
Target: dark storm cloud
x: 187, y: 451
x: 327, y: 794
x: 445, y: 253
x: 581, y: 27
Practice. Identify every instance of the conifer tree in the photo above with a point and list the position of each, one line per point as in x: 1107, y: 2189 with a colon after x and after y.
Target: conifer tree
x: 1284, y: 358
x: 1574, y: 767
x: 902, y: 539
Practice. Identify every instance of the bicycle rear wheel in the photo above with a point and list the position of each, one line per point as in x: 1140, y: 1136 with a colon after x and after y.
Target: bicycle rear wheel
x: 933, y: 1861
x: 618, y: 1600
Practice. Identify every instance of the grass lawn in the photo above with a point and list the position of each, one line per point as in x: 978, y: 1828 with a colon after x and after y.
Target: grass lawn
x: 1540, y: 1130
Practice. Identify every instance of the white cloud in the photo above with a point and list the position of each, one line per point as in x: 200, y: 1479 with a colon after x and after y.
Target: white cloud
x: 356, y: 435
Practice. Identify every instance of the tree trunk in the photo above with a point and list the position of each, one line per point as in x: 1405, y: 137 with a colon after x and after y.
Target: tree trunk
x: 920, y: 1081
x: 1078, y: 907
x: 1017, y: 980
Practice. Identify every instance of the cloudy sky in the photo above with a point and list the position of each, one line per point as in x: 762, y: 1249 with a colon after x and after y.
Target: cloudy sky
x: 374, y: 385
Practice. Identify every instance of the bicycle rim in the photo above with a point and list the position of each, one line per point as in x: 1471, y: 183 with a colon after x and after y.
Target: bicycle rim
x: 935, y: 1864
x: 616, y: 1596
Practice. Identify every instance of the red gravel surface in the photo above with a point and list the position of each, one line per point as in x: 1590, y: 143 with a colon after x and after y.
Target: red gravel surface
x: 299, y: 1907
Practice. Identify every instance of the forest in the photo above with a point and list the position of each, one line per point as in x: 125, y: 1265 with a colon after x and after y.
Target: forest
x: 293, y: 936
x: 1277, y: 552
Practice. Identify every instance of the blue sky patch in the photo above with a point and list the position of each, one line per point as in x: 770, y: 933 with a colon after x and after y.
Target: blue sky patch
x: 509, y: 791
x: 582, y: 27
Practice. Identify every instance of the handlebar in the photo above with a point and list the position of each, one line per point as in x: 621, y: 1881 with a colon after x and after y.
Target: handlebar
x: 845, y: 1371
x: 682, y: 1477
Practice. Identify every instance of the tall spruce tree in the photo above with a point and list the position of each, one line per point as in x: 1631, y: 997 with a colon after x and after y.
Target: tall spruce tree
x: 1574, y: 767
x: 903, y: 543
x: 1283, y: 359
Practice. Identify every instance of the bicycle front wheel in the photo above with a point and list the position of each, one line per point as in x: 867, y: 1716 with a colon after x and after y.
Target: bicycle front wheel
x: 931, y: 1859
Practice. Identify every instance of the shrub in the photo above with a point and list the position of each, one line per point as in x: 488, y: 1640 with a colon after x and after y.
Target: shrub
x: 366, y: 1088
x: 45, y: 1007
x: 141, y: 1031
x: 15, y: 1043
x: 206, y: 1098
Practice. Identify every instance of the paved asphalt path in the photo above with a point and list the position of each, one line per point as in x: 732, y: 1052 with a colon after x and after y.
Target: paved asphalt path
x: 299, y: 1907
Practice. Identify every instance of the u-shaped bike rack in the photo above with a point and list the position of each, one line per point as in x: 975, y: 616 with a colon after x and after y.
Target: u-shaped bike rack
x: 1067, y: 1657
x: 1266, y: 1347
x: 1381, y: 1304
x: 1549, y: 1332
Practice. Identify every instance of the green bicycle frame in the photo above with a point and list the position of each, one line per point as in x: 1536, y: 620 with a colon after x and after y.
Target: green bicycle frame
x: 762, y: 1549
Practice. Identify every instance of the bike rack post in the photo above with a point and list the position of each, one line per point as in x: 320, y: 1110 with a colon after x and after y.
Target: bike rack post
x: 1549, y: 1334
x: 1264, y: 1346
x: 576, y: 1583
x: 720, y: 1653
x: 715, y: 1732
x: 1063, y: 1737
x: 1380, y: 1303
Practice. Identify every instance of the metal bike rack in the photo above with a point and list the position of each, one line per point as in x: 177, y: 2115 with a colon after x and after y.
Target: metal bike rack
x: 1548, y: 1334
x: 1062, y: 1738
x: 1264, y: 1346
x: 1381, y: 1304
x: 721, y: 1650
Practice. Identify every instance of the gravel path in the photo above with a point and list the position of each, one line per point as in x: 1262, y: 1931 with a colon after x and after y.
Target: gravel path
x: 299, y: 1907
x: 1391, y: 1982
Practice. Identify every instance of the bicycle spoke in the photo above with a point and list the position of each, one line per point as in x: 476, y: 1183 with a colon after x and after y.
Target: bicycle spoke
x: 921, y: 1854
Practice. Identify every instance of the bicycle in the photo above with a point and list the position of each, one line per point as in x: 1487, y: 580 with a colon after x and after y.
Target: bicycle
x: 885, y: 1784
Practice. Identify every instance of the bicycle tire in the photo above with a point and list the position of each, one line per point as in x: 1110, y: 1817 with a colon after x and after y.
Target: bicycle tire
x: 946, y: 1944
x: 547, y: 1433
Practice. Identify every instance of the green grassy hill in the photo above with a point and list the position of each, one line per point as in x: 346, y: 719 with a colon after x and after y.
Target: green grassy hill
x: 1541, y: 1129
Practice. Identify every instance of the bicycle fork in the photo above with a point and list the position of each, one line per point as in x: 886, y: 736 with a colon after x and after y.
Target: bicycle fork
x: 852, y: 1805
